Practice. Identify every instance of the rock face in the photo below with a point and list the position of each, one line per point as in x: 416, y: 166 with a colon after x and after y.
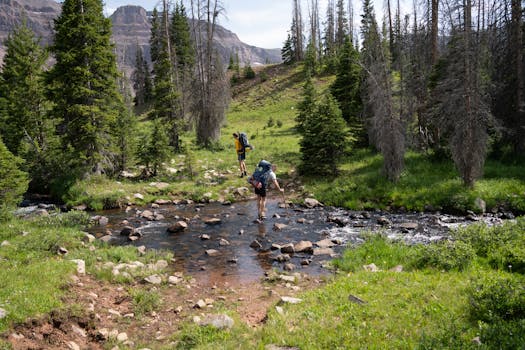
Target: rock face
x: 39, y: 16
x: 131, y: 29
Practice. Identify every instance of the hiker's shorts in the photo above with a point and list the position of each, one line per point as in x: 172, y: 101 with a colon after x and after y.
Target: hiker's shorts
x: 241, y: 156
x: 261, y: 191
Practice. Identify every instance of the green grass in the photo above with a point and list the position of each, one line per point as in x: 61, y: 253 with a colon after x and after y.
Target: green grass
x: 424, y: 184
x: 430, y: 305
x: 34, y: 277
x: 267, y: 113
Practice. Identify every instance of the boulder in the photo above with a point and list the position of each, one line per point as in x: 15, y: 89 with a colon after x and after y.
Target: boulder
x: 179, y: 226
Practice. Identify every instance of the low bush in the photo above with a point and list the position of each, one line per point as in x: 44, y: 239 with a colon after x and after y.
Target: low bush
x: 496, y: 297
x: 445, y: 255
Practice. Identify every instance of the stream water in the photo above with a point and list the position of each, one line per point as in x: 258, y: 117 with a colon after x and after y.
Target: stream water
x: 232, y: 237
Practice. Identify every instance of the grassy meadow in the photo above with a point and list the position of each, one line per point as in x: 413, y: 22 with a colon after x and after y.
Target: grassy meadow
x: 468, y: 294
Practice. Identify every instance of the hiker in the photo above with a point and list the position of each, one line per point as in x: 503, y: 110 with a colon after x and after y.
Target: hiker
x: 241, y: 154
x: 260, y: 180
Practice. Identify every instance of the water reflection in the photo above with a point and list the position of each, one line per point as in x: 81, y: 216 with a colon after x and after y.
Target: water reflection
x: 237, y: 230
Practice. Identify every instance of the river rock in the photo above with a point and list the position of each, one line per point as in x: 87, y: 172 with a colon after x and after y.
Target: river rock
x: 163, y: 201
x: 409, y: 225
x: 179, y: 226
x: 311, y: 203
x: 220, y: 321
x: 371, y: 267
x: 88, y: 238
x: 148, y: 215
x: 383, y: 221
x: 81, y: 266
x: 325, y: 243
x: 304, y: 247
x: 213, y: 252
x: 288, y: 248
x: 212, y: 221
x: 282, y: 257
x: 289, y: 267
x: 153, y: 279
x: 127, y: 231
x: 290, y: 300
x: 323, y: 251
x: 106, y: 238
x: 278, y: 226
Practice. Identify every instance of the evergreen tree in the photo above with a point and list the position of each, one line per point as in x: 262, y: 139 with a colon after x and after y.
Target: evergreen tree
x: 153, y: 149
x: 287, y: 52
x: 141, y: 80
x: 83, y: 84
x: 306, y: 106
x: 13, y: 181
x: 248, y: 71
x: 323, y: 139
x: 23, y: 105
x: 25, y: 120
x: 125, y: 128
x: 347, y: 90
x: 166, y: 105
x: 181, y: 38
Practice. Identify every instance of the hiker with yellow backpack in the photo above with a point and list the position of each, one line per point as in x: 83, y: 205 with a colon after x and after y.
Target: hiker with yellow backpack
x: 241, y: 145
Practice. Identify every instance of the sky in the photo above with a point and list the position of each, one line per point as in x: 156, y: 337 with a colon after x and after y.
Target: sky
x: 261, y: 23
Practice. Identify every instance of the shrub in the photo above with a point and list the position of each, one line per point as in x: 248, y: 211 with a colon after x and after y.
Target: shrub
x: 503, y: 335
x: 495, y: 298
x: 13, y: 181
x: 445, y: 255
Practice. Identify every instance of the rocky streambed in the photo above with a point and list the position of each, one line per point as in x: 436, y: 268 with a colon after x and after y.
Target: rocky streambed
x: 217, y: 242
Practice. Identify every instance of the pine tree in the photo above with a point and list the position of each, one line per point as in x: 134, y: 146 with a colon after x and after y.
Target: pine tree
x: 153, y: 149
x: 248, y: 71
x: 83, y: 84
x: 347, y: 90
x: 185, y: 56
x: 287, y: 52
x: 13, y: 181
x: 23, y: 105
x: 166, y: 104
x: 26, y: 123
x: 323, y: 139
x: 306, y: 106
x: 141, y: 80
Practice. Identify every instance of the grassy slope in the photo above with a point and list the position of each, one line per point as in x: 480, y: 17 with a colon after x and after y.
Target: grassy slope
x: 266, y: 109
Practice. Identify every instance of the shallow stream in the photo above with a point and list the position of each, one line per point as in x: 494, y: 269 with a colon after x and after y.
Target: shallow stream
x: 234, y: 256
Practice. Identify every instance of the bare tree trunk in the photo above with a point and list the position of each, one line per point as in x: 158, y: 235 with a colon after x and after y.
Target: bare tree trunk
x: 517, y: 45
x: 434, y: 32
x: 211, y: 92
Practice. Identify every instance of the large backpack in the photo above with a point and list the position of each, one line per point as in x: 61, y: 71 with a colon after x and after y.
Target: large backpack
x: 243, y: 139
x: 259, y: 178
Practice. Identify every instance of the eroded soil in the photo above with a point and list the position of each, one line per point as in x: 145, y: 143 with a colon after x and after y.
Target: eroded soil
x: 93, y: 308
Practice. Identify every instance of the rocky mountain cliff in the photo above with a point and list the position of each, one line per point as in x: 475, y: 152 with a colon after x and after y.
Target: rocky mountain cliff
x: 131, y: 28
x: 39, y: 15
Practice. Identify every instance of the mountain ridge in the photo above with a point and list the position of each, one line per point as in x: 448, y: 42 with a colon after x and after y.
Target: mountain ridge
x: 130, y: 27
